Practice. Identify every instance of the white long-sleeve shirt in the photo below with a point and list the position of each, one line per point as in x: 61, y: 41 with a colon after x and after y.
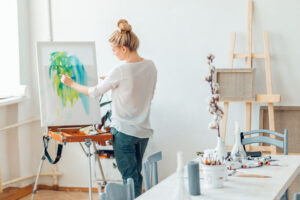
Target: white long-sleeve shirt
x: 133, y: 86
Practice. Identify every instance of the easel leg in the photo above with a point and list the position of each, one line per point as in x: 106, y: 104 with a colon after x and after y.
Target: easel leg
x: 34, y: 191
x: 88, y: 143
x: 248, y: 121
x: 271, y: 124
x: 100, y: 165
x: 269, y: 87
x: 55, y: 171
x: 224, y: 121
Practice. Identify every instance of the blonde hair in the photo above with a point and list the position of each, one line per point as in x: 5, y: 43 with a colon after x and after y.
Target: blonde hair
x: 124, y: 36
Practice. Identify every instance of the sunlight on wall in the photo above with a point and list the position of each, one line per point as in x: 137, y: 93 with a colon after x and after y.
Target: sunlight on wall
x: 9, y: 47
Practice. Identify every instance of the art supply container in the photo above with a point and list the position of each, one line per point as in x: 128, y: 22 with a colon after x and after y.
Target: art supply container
x: 213, y: 175
x: 194, y: 178
x: 225, y: 174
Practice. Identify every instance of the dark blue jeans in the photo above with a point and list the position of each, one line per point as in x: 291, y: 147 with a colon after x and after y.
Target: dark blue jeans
x: 129, y: 151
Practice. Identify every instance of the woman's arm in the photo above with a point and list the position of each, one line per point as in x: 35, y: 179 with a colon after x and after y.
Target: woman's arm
x: 65, y: 79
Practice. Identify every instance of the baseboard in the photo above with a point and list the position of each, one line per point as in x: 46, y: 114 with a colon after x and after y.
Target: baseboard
x: 69, y: 189
x: 13, y: 193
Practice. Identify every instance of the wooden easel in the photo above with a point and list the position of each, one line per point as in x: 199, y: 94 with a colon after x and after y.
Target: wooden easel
x: 72, y: 134
x: 268, y: 98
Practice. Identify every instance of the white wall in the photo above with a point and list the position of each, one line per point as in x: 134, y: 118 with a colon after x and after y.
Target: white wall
x: 178, y: 35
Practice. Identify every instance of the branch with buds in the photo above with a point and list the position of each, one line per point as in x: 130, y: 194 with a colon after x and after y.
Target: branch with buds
x: 213, y: 108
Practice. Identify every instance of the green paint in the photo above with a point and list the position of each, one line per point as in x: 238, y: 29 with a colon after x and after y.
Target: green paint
x: 62, y: 64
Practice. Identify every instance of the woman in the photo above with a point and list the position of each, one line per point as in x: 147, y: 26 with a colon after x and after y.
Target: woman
x: 132, y: 84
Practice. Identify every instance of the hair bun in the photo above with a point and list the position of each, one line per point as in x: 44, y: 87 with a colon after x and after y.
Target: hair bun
x: 123, y: 25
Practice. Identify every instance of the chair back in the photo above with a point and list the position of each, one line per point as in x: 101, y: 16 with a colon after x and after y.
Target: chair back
x: 150, y: 170
x: 265, y: 139
x: 115, y: 191
x: 297, y: 196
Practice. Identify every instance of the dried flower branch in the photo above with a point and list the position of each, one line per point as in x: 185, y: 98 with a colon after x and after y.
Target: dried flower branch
x: 213, y: 108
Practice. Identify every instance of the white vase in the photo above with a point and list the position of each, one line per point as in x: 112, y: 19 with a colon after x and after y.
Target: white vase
x: 180, y: 192
x: 220, y: 150
x: 238, y: 153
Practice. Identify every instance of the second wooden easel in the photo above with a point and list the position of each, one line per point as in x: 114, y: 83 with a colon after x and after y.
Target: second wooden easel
x: 268, y: 98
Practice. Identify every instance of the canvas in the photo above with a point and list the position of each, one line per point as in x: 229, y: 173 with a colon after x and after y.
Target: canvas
x: 61, y: 105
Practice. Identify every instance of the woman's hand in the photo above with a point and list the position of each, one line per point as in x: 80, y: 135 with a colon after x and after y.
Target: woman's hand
x: 65, y: 79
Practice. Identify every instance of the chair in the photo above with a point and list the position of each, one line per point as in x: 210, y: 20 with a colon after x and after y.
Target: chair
x: 150, y: 169
x: 115, y: 191
x: 272, y: 141
x: 264, y: 139
x: 297, y: 196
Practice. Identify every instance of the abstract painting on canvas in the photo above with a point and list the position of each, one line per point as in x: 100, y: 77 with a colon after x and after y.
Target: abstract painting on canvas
x: 61, y: 105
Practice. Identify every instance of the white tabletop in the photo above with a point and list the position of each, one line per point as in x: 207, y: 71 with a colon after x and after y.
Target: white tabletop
x: 238, y: 187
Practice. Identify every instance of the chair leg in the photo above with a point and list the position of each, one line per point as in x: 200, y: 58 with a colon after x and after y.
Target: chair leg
x: 285, y: 196
x: 146, y: 176
x: 297, y: 196
x: 130, y: 189
x: 103, y: 196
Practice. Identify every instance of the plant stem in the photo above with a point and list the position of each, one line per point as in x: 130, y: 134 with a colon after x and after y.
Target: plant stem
x: 214, y: 100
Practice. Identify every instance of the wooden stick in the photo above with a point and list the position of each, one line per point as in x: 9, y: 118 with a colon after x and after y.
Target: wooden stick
x: 272, y: 124
x: 271, y: 117
x: 248, y: 121
x: 261, y: 148
x: 231, y: 50
x: 261, y: 98
x: 249, y: 37
x: 256, y: 148
x: 249, y: 64
x: 267, y: 63
x: 269, y: 86
x: 226, y: 104
x: 269, y: 98
x: 248, y: 116
x: 253, y: 55
x: 224, y: 120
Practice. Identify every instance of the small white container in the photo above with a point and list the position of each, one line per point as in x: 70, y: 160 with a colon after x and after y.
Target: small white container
x: 213, y: 176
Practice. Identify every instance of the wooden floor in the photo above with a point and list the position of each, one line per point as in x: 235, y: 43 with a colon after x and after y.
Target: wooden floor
x: 60, y: 195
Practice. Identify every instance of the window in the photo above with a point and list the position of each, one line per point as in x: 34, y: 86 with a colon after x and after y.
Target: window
x: 9, y: 47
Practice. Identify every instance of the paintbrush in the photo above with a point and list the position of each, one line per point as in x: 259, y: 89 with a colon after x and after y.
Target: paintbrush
x: 252, y: 176
x: 239, y: 174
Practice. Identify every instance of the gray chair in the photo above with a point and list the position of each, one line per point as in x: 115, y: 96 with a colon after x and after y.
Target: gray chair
x: 150, y: 170
x: 272, y: 141
x: 115, y: 191
x: 297, y: 196
x: 264, y: 139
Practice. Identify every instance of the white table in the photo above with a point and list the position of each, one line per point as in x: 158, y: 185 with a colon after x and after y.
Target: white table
x: 238, y: 187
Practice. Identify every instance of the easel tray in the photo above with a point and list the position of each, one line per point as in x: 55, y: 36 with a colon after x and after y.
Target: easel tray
x: 73, y: 134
